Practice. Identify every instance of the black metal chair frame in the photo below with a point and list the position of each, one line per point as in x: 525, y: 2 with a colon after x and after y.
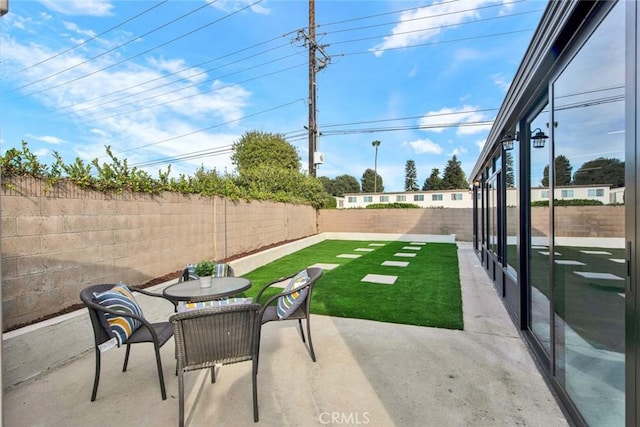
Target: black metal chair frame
x: 217, y: 335
x: 156, y: 333
x: 303, y: 312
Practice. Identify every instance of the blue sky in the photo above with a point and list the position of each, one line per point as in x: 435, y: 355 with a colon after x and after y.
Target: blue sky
x: 179, y: 81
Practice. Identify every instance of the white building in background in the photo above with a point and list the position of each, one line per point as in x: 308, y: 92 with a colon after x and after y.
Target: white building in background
x: 464, y: 198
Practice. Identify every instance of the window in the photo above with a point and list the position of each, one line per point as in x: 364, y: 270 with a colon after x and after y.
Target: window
x: 418, y: 197
x: 368, y: 199
x: 340, y: 203
x: 566, y: 194
x: 401, y: 198
x: 436, y: 197
x: 595, y: 192
x: 352, y: 199
x: 544, y: 194
x: 456, y: 196
x: 384, y: 198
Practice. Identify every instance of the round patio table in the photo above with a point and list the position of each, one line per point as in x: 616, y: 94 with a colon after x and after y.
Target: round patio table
x: 190, y: 291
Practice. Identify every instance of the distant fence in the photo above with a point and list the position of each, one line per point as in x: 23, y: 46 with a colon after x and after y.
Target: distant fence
x: 456, y: 221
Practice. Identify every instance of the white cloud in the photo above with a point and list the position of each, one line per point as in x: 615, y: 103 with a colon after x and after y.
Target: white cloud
x: 480, y: 144
x: 46, y: 138
x: 80, y: 7
x: 232, y: 5
x: 467, y: 119
x: 411, y: 26
x: 458, y: 151
x: 501, y: 81
x: 422, y: 146
x: 74, y: 27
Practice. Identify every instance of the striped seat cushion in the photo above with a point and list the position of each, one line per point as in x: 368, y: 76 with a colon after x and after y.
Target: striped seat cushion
x: 220, y: 270
x: 287, y: 304
x: 119, y: 298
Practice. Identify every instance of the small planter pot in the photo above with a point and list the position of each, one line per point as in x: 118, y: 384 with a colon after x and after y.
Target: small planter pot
x: 205, y: 281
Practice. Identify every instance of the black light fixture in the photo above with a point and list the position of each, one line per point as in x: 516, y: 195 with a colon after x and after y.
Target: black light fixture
x: 508, y: 141
x: 539, y: 138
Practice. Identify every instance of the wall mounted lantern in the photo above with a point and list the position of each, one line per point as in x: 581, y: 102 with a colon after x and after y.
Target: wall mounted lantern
x: 507, y: 141
x: 539, y: 138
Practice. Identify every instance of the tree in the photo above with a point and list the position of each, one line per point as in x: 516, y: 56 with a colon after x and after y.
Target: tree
x: 454, y: 177
x: 410, y: 176
x: 371, y: 182
x: 345, y: 184
x: 434, y: 182
x: 600, y: 171
x: 257, y: 148
x: 562, y: 171
x: 509, y: 175
x: 376, y: 144
x: 327, y: 183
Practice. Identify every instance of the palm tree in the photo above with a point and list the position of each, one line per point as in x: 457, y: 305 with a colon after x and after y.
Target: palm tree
x: 376, y: 144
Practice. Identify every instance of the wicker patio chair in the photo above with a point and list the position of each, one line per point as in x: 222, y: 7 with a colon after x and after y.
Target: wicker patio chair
x: 156, y: 333
x: 302, y: 311
x: 217, y: 335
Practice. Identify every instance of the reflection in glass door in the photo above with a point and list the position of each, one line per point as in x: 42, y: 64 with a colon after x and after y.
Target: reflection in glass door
x: 589, y: 254
x: 538, y: 250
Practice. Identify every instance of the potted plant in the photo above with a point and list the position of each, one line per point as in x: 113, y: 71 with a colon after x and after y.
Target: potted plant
x: 205, y: 268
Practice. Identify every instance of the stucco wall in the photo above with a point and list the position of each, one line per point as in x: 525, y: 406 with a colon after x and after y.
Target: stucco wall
x: 57, y: 240
x: 405, y: 221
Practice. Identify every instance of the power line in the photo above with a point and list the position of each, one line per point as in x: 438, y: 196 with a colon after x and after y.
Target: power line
x: 437, y: 27
x: 116, y: 47
x: 430, y: 17
x: 189, y: 96
x: 187, y: 69
x: 209, y: 127
x: 138, y: 54
x: 94, y: 37
x: 181, y: 89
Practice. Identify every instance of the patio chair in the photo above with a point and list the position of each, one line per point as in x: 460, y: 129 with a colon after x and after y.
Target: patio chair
x: 216, y: 335
x: 128, y: 326
x: 294, y: 302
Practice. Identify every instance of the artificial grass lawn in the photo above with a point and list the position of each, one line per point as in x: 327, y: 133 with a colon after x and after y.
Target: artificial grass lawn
x: 426, y: 293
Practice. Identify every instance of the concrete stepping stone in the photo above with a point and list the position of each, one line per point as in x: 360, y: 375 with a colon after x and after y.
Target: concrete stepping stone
x: 380, y: 278
x: 603, y: 276
x: 412, y: 248
x: 395, y: 263
x: 596, y: 252
x: 376, y: 244
x: 569, y: 262
x: 539, y: 247
x: 418, y: 243
x: 402, y: 254
x: 618, y: 260
x: 364, y: 250
x: 348, y: 256
x: 547, y: 253
x: 324, y: 266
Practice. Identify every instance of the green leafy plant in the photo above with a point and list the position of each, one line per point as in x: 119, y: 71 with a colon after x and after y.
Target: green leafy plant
x: 205, y: 268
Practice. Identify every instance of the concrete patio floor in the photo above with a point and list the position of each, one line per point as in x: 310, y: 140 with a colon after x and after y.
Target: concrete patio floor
x: 367, y: 373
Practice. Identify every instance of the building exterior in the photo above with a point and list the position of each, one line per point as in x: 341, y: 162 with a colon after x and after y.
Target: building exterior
x: 464, y: 198
x: 568, y: 275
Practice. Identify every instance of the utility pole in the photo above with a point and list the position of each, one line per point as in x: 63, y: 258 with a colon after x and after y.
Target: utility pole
x: 313, y: 131
x: 315, y: 65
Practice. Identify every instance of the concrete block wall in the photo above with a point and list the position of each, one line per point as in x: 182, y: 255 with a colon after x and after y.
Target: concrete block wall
x: 57, y: 240
x: 406, y: 221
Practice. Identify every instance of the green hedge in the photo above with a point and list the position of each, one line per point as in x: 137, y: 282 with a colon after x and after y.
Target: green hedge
x: 567, y: 202
x: 261, y: 183
x: 395, y: 205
